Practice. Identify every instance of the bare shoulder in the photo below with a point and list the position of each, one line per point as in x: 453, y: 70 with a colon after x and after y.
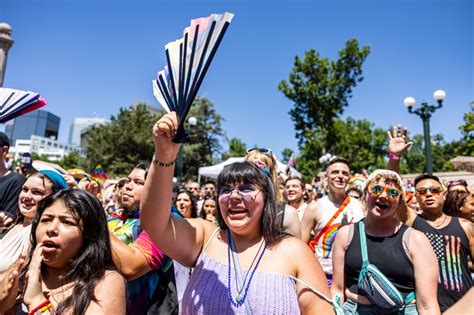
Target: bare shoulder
x: 417, y: 238
x: 467, y: 226
x: 205, y: 226
x: 343, y: 233
x: 111, y: 277
x: 292, y: 246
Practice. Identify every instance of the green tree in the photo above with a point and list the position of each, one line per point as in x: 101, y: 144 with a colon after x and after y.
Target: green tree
x: 466, y: 145
x: 119, y: 145
x: 320, y: 90
x: 286, y: 155
x: 205, y: 138
x: 237, y: 148
x: 73, y: 160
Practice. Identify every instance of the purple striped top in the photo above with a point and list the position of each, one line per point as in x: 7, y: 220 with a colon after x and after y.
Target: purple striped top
x: 206, y: 293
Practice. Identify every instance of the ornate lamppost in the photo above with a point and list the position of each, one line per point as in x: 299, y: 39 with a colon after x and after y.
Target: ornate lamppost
x: 425, y: 111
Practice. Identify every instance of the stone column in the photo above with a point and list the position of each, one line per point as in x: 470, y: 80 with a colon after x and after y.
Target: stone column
x: 6, y: 43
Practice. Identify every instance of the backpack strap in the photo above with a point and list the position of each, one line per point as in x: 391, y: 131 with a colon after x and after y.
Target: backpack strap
x: 363, y: 245
x: 409, y: 298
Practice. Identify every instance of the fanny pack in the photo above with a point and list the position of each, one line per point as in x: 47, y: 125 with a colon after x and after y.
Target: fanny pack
x: 374, y: 285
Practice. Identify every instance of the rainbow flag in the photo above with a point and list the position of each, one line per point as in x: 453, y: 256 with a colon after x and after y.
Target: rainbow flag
x: 99, y: 175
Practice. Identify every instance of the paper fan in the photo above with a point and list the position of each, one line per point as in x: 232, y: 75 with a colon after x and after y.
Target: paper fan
x: 188, y: 60
x: 14, y: 103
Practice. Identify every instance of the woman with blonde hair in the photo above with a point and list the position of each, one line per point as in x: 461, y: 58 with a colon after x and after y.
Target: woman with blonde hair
x: 264, y: 159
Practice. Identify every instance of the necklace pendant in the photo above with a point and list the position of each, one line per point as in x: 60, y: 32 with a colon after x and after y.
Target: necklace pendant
x: 238, y: 298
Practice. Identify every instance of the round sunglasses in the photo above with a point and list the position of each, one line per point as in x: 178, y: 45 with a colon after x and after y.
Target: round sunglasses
x: 377, y: 189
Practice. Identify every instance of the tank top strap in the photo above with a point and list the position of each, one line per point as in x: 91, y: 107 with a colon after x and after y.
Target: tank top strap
x: 210, y: 238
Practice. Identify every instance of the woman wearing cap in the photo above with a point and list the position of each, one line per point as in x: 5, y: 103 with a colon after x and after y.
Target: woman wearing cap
x: 402, y: 254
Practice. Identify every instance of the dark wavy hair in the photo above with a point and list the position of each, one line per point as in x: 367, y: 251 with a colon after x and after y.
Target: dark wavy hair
x: 247, y: 173
x: 202, y: 215
x: 454, y: 201
x: 194, y: 213
x: 95, y: 256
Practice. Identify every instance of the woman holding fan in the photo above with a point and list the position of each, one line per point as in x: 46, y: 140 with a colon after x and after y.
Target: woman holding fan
x: 246, y: 266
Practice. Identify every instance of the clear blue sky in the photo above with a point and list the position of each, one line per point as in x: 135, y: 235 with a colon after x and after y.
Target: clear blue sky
x: 93, y: 57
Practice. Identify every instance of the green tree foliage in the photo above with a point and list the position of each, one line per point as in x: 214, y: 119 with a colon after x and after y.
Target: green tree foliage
x: 237, y: 148
x: 286, y: 155
x: 119, y: 145
x: 320, y: 89
x: 205, y: 138
x: 73, y: 160
x: 466, y: 145
x: 127, y: 140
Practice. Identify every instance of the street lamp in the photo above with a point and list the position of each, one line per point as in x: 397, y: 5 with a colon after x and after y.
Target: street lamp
x: 6, y: 43
x: 192, y: 121
x: 425, y: 113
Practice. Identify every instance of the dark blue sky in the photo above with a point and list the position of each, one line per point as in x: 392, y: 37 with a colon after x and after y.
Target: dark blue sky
x: 93, y: 57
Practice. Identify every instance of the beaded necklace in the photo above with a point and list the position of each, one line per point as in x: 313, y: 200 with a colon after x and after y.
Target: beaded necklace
x: 239, y: 299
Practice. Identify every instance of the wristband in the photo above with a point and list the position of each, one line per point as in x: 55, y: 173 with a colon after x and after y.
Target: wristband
x: 43, y: 307
x: 159, y: 163
x: 392, y: 156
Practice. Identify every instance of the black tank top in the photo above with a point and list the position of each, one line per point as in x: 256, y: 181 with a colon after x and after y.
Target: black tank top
x: 387, y: 253
x: 451, y: 247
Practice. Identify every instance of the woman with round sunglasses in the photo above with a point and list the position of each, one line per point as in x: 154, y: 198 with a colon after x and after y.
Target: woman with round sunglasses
x: 245, y: 266
x: 287, y: 214
x: 402, y: 254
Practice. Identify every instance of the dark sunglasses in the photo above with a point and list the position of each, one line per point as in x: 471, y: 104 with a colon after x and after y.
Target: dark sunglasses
x: 377, y: 189
x: 261, y: 150
x: 436, y: 190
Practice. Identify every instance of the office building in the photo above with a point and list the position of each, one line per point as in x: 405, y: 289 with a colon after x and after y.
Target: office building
x: 38, y: 123
x: 79, y: 125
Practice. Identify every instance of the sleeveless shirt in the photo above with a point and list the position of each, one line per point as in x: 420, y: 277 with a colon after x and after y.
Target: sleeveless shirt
x: 451, y: 246
x: 386, y: 253
x: 323, y: 249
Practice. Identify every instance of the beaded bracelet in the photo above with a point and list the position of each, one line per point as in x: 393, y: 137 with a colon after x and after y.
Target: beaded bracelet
x: 156, y: 162
x: 40, y: 309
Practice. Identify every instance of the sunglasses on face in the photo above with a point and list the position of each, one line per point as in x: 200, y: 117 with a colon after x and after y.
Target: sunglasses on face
x: 261, y: 150
x: 246, y: 192
x: 433, y: 190
x: 377, y: 189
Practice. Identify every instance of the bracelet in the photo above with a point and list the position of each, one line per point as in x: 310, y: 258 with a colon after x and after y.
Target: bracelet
x: 392, y: 156
x: 156, y: 162
x: 43, y: 307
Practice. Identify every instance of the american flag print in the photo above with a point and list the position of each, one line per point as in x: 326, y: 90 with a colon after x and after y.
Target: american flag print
x: 448, y: 251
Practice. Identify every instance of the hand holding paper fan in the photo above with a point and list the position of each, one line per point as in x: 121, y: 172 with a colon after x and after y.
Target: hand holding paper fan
x: 188, y: 59
x: 14, y: 103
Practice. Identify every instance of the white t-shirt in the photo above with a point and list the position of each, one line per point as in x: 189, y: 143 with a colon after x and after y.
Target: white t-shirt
x: 352, y: 213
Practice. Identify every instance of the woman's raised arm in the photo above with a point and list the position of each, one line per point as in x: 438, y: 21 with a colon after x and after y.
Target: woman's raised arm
x: 180, y: 239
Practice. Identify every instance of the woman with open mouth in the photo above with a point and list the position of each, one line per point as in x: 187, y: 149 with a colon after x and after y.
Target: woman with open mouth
x: 248, y: 265
x: 70, y: 267
x: 401, y: 253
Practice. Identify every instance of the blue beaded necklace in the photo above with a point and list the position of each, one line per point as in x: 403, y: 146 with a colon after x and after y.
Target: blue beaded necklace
x: 239, y: 299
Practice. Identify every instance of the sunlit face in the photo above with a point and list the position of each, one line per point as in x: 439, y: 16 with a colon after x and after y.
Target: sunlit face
x: 241, y: 207
x: 430, y: 195
x: 209, y: 189
x: 293, y: 191
x: 61, y: 234
x: 338, y: 175
x: 133, y: 189
x: 32, y: 192
x: 194, y: 189
x: 413, y: 204
x: 209, y: 208
x: 184, y: 204
x: 382, y: 205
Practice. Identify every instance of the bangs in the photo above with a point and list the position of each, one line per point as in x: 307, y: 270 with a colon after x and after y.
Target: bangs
x: 241, y: 172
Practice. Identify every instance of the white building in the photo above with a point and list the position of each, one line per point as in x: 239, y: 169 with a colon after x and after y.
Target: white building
x: 48, y: 147
x: 79, y: 125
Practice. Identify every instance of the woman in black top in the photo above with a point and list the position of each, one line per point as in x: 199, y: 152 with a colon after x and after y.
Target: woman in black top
x: 403, y: 255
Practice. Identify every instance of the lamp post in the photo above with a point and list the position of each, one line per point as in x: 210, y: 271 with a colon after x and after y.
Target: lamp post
x: 6, y: 43
x: 425, y: 112
x: 192, y: 121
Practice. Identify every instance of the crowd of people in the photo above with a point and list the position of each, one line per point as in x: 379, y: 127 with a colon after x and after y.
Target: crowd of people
x: 255, y: 241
